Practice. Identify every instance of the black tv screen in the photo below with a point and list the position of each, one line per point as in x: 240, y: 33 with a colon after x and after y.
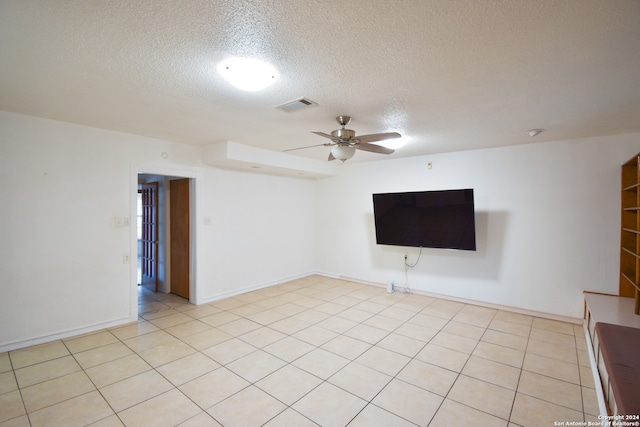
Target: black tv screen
x: 426, y: 219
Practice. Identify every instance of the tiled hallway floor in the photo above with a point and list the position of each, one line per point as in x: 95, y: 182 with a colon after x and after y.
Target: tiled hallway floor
x: 315, y: 351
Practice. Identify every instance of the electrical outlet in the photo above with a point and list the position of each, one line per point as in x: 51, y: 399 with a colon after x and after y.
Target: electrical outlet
x: 117, y: 222
x: 206, y: 220
x: 125, y: 259
x: 390, y: 287
x: 429, y: 165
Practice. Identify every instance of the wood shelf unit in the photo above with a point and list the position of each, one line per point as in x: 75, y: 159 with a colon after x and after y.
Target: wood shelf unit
x: 630, y: 231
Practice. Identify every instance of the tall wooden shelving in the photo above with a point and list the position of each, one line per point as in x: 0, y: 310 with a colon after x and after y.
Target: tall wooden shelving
x: 630, y: 232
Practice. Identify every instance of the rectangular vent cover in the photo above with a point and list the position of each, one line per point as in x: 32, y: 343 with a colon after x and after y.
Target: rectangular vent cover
x: 296, y: 105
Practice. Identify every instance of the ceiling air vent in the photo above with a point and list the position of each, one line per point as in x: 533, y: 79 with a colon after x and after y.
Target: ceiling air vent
x: 296, y: 105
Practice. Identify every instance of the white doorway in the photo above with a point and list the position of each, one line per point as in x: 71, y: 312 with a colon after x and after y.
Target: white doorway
x: 163, y: 176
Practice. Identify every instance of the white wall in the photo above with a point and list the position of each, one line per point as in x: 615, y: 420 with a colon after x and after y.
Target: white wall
x: 261, y: 233
x: 61, y: 256
x: 547, y: 218
x: 547, y: 225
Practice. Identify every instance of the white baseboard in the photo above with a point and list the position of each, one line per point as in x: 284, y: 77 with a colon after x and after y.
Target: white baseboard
x: 210, y: 298
x: 62, y: 335
x: 228, y: 294
x: 544, y: 315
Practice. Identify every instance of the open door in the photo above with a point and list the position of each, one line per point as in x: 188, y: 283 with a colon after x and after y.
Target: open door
x: 180, y: 236
x: 149, y: 238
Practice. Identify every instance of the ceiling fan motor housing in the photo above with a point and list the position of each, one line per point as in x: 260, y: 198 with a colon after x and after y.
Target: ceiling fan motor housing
x: 343, y: 134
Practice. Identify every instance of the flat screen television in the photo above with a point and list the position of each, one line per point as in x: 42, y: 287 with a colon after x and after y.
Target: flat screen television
x: 427, y: 219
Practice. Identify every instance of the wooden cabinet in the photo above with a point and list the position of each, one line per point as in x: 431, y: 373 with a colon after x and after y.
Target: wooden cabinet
x: 630, y: 232
x: 612, y: 310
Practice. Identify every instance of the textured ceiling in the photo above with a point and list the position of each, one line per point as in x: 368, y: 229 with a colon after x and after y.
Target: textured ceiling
x: 450, y: 75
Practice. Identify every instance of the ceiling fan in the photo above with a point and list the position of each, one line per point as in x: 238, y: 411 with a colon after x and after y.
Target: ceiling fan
x: 345, y: 142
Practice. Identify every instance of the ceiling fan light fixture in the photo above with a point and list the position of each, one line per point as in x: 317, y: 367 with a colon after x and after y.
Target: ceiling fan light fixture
x: 248, y: 74
x: 343, y: 152
x: 345, y: 142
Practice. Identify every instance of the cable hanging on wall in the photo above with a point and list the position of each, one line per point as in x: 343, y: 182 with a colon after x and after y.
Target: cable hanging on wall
x: 408, y: 267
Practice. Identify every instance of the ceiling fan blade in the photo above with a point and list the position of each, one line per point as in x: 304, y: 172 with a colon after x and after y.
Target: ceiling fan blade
x: 326, y: 135
x: 364, y: 139
x: 374, y: 148
x: 326, y: 144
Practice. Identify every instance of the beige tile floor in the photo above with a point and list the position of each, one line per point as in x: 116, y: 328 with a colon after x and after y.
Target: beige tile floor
x: 315, y: 351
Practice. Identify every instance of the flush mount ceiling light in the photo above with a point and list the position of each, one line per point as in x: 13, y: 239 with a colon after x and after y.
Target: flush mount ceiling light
x: 247, y: 73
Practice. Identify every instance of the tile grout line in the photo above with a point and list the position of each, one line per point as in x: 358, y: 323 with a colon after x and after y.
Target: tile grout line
x: 515, y: 394
x: 289, y: 334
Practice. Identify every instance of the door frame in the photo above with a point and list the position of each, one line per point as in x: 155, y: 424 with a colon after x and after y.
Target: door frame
x: 195, y: 184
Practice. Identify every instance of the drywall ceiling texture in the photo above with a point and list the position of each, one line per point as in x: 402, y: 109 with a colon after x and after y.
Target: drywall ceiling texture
x: 450, y: 76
